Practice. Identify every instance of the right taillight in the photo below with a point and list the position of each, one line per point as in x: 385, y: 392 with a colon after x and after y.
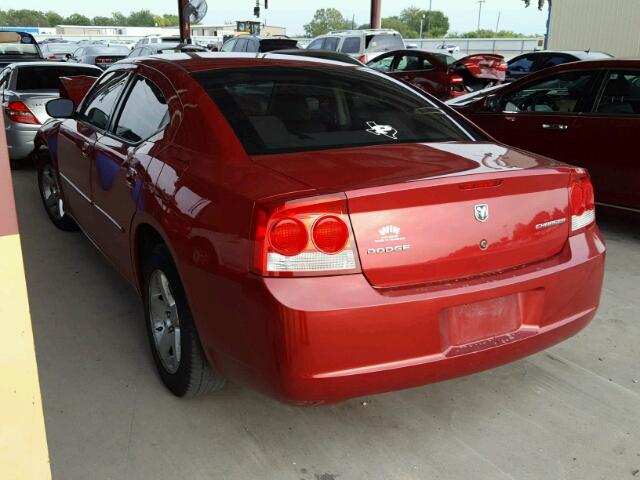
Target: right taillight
x: 581, y: 203
x: 304, y: 237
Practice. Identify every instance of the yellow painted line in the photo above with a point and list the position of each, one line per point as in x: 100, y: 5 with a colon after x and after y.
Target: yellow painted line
x: 23, y: 442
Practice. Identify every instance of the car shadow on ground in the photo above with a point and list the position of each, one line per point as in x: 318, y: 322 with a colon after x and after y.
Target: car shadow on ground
x: 108, y: 416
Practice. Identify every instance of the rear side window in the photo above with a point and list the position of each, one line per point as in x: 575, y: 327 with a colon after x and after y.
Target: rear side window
x: 145, y: 112
x: 384, y: 43
x: 48, y: 78
x: 331, y: 43
x: 621, y: 95
x: 294, y: 109
x: 351, y: 45
x: 523, y: 65
x: 412, y: 63
x: 228, y: 46
x: 99, y: 106
x: 555, y: 60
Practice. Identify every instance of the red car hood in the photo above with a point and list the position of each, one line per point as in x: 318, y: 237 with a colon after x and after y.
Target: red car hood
x: 349, y: 168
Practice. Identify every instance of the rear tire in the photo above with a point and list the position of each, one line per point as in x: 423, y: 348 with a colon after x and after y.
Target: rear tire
x: 50, y: 194
x: 172, y: 334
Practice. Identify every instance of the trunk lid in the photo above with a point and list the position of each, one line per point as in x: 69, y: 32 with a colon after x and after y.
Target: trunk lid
x: 442, y: 212
x: 486, y: 66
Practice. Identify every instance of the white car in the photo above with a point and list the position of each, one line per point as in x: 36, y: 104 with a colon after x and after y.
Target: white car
x: 449, y: 47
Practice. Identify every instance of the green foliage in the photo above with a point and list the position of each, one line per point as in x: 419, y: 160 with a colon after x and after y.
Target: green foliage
x: 484, y: 33
x: 325, y: 20
x: 76, y: 19
x: 396, y: 23
x: 35, y: 18
x: 434, y: 23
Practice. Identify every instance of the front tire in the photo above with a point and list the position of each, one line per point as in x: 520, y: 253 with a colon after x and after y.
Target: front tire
x: 51, y: 196
x: 173, y: 338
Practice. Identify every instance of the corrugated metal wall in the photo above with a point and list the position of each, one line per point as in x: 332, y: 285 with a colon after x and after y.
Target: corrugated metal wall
x: 611, y: 26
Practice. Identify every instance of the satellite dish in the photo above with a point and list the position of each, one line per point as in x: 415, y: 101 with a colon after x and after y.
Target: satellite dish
x: 196, y: 10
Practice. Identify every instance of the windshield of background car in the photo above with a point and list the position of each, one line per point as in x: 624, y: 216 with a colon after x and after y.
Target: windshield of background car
x: 48, y: 78
x: 384, y: 42
x: 108, y: 51
x: 15, y: 44
x: 277, y: 110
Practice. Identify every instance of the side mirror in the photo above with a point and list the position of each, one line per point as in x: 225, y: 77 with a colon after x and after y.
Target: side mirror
x: 60, y: 108
x: 492, y: 103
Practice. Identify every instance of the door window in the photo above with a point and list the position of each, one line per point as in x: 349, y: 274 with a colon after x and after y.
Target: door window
x: 97, y: 110
x: 621, y: 95
x: 228, y: 46
x: 384, y: 42
x: 569, y: 92
x: 411, y: 63
x: 145, y: 112
x: 331, y: 43
x: 240, y: 45
x: 351, y: 45
x: 382, y: 64
x: 316, y: 44
x: 554, y: 60
x: 252, y: 46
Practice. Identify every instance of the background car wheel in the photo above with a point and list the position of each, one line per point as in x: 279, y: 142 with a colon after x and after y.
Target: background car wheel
x: 51, y: 196
x: 174, y: 341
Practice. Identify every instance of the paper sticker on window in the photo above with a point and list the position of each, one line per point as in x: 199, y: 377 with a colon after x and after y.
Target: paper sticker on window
x: 386, y: 130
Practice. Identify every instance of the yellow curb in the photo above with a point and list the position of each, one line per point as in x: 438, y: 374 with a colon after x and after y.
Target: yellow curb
x: 23, y: 443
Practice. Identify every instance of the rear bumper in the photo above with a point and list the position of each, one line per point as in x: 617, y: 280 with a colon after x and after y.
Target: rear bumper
x: 327, y: 339
x: 20, y: 139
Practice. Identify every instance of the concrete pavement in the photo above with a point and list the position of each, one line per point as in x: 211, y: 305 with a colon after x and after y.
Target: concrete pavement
x: 572, y: 412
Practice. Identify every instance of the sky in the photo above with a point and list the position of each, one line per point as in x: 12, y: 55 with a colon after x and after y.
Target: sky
x: 293, y: 14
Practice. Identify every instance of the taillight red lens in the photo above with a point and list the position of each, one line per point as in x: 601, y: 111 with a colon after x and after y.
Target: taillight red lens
x: 18, y: 112
x: 581, y: 202
x: 456, y: 79
x: 304, y: 237
x: 288, y: 237
x: 503, y: 67
x: 330, y: 234
x: 576, y: 199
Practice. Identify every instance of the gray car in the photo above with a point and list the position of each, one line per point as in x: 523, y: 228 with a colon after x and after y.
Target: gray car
x: 25, y: 88
x: 102, y: 56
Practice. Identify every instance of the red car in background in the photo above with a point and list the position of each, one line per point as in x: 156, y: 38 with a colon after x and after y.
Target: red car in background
x: 316, y: 230
x: 584, y: 113
x: 442, y: 75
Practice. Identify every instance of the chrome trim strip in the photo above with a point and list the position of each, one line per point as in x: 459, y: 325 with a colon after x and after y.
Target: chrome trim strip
x: 108, y: 217
x: 617, y: 206
x: 82, y: 194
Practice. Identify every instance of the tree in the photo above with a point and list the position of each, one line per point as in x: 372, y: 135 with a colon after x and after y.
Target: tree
x: 434, y: 23
x: 396, y: 23
x: 76, y: 19
x: 119, y: 19
x: 325, y: 20
x: 23, y: 18
x: 102, y: 21
x: 141, y: 18
x: 53, y: 18
x: 484, y: 33
x: 167, y: 20
x: 540, y: 3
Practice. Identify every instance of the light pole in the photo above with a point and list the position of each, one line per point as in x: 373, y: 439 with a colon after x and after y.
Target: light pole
x: 429, y: 19
x: 480, y: 2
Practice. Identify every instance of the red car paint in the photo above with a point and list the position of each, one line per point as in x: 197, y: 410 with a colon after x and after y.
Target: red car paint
x: 596, y: 140
x: 470, y: 293
x: 440, y: 74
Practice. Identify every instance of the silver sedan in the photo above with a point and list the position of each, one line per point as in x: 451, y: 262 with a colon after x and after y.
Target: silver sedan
x: 25, y: 88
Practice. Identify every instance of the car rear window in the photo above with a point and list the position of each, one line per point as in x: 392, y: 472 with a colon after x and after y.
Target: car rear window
x: 48, y: 78
x: 384, y: 42
x: 276, y: 110
x: 17, y: 44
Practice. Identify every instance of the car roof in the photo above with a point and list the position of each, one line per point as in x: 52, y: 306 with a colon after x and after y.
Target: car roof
x: 576, y: 53
x: 202, y: 61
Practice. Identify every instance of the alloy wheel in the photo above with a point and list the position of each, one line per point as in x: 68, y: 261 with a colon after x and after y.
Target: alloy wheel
x: 165, y: 324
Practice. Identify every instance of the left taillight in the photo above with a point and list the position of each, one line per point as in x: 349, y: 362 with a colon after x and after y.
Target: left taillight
x: 304, y: 237
x: 581, y: 203
x: 18, y: 112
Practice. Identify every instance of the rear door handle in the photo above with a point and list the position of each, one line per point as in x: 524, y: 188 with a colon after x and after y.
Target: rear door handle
x: 555, y: 126
x: 85, y: 150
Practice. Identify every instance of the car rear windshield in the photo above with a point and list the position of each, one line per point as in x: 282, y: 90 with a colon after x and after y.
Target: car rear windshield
x: 276, y: 110
x: 48, y: 78
x: 15, y: 44
x: 384, y: 42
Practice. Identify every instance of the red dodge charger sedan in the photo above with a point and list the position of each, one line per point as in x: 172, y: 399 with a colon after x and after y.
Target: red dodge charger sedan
x: 317, y: 230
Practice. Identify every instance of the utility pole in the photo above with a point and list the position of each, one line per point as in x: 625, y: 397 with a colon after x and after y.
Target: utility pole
x: 498, y: 22
x: 480, y: 2
x: 429, y: 19
x: 376, y: 13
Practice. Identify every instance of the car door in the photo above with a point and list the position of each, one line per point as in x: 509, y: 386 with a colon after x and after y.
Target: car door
x: 609, y: 138
x: 540, y: 115
x: 75, y: 148
x: 418, y: 70
x: 122, y: 154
